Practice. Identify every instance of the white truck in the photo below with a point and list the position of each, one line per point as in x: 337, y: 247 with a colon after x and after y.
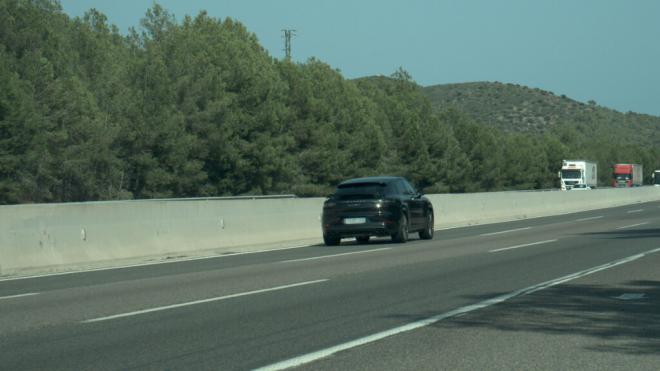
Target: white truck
x: 656, y: 177
x: 574, y: 172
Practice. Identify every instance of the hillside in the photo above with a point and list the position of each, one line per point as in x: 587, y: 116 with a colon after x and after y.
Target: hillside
x: 516, y: 108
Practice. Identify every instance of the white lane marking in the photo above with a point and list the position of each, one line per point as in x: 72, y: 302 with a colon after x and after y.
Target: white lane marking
x: 630, y: 296
x: 591, y: 218
x: 507, y: 231
x: 311, y: 357
x: 334, y: 255
x: 635, y: 211
x: 219, y: 298
x: 523, y: 245
x: 176, y: 260
x: 19, y: 295
x: 632, y: 225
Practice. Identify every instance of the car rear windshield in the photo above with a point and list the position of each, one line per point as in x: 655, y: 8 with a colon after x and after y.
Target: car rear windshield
x: 360, y: 191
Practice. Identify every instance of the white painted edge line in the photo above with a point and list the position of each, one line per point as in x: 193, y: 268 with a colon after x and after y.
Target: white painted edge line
x: 219, y: 298
x: 314, y: 356
x: 507, y: 231
x: 523, y: 245
x: 19, y: 295
x: 171, y: 261
x: 591, y: 218
x: 632, y: 225
x: 635, y: 211
x: 334, y: 255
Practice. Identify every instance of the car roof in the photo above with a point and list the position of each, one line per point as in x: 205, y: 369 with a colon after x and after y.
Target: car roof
x: 371, y: 179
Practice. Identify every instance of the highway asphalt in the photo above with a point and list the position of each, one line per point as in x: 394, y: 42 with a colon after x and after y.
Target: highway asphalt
x: 577, y: 291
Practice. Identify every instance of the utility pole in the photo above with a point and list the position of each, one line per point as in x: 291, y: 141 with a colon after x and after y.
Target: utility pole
x: 288, y: 34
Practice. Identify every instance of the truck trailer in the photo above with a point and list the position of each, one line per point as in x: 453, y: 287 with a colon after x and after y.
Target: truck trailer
x: 574, y: 172
x: 627, y: 175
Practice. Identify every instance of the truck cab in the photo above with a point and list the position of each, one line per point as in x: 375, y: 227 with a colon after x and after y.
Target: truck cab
x: 578, y: 172
x: 627, y: 175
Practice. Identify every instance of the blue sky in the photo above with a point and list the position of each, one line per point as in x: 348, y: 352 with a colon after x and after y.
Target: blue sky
x: 602, y: 50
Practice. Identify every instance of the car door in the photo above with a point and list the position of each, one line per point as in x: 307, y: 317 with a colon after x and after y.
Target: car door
x: 415, y: 205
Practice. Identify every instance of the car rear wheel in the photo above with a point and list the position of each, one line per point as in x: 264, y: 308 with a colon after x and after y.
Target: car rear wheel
x: 401, y: 234
x: 362, y: 239
x: 331, y: 240
x: 427, y: 233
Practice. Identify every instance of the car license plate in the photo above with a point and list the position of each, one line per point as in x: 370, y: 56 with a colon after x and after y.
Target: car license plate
x: 355, y: 220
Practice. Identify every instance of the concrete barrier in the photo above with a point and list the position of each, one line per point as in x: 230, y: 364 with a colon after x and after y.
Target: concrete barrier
x: 33, y: 236
x: 44, y: 237
x: 454, y: 210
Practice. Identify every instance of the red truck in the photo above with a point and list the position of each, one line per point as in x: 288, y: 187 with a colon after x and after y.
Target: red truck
x: 627, y: 175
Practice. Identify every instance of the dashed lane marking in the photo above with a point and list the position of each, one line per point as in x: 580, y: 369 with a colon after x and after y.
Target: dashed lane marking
x: 18, y: 296
x: 507, y: 231
x: 335, y: 255
x: 523, y: 245
x: 219, y: 298
x: 632, y: 225
x: 590, y: 218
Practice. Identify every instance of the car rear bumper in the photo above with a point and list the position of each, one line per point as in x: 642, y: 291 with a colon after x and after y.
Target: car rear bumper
x: 367, y: 229
x: 384, y: 228
x: 379, y: 219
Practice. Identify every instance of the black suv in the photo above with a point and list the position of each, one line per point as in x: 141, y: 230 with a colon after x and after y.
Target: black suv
x: 376, y: 206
